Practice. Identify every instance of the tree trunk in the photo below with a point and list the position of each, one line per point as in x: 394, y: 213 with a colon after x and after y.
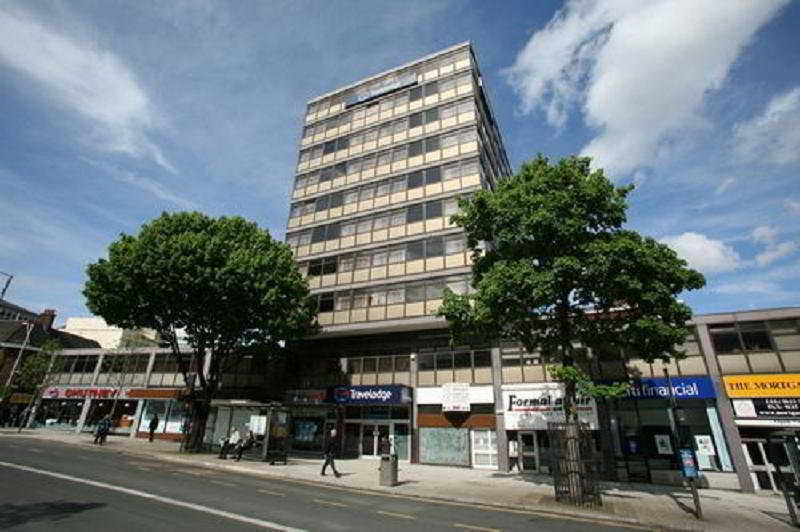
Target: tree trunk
x: 201, y: 407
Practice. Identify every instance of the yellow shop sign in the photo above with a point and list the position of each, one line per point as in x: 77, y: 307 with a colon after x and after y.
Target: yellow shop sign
x: 780, y: 385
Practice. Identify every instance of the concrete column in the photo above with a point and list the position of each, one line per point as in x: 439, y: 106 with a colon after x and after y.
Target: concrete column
x: 149, y: 370
x: 725, y: 410
x: 499, y: 412
x: 84, y: 413
x: 97, y: 369
x: 136, y: 418
x: 413, y: 425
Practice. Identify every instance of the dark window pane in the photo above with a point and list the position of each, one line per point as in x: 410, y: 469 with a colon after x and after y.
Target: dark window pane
x: 431, y: 88
x: 326, y: 174
x: 433, y: 175
x: 415, y: 250
x: 434, y: 291
x: 415, y: 93
x: 329, y: 266
x: 415, y: 120
x: 399, y: 412
x: 343, y: 143
x: 432, y: 115
x: 333, y: 231
x: 415, y: 293
x: 315, y: 268
x: 326, y: 302
x: 318, y: 234
x: 330, y: 147
x: 335, y: 200
x: 431, y: 143
x: 444, y: 360
x: 433, y: 209
x: 322, y: 204
x: 369, y: 365
x: 353, y: 365
x: 434, y: 247
x: 385, y: 364
x: 414, y: 213
x: 510, y: 360
x: 415, y: 179
x: 401, y: 363
x: 756, y: 341
x: 725, y: 342
x: 415, y: 148
x: 340, y: 170
x: 483, y: 359
x: 425, y: 362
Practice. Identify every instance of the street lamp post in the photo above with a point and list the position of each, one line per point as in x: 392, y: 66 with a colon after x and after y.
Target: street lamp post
x: 677, y: 443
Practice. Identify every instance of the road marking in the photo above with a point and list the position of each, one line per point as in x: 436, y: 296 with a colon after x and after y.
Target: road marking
x: 275, y: 493
x: 158, y: 498
x: 392, y: 514
x: 32, y: 450
x: 221, y: 483
x: 472, y: 527
x: 330, y: 503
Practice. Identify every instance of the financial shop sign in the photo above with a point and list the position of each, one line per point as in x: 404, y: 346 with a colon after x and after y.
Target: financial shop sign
x: 779, y: 385
x: 371, y: 395
x: 61, y: 392
x: 682, y: 388
x: 534, y: 406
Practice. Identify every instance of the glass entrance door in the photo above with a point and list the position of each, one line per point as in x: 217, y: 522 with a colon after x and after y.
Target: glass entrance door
x: 527, y: 451
x: 375, y: 439
x: 367, y: 440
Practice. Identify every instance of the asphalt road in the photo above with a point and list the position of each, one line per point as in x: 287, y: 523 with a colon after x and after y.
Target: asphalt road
x: 44, y: 485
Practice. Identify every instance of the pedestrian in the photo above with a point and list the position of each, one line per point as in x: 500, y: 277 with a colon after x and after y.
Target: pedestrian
x: 101, y: 431
x: 513, y: 455
x: 153, y: 426
x: 230, y: 443
x: 248, y: 441
x: 331, y: 447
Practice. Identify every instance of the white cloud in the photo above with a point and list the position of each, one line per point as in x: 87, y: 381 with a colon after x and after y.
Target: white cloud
x: 86, y: 79
x: 747, y: 286
x: 155, y: 188
x: 793, y: 205
x: 775, y: 252
x: 772, y: 136
x: 765, y: 234
x: 704, y: 254
x: 725, y: 185
x: 639, y: 70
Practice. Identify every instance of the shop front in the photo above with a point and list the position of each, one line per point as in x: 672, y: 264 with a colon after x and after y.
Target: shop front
x: 166, y: 404
x: 767, y: 410
x: 643, y: 443
x: 457, y: 426
x: 311, y: 416
x: 527, y: 409
x: 376, y: 419
x: 81, y: 408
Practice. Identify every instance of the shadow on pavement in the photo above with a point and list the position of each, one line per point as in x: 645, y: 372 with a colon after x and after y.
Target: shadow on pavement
x: 17, y: 514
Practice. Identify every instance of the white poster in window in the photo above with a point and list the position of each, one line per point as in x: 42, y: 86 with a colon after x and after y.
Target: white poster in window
x: 455, y: 397
x: 258, y: 424
x: 744, y: 408
x: 663, y: 443
x: 704, y: 445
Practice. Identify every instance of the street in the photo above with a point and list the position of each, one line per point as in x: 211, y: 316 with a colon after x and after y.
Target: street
x: 48, y: 484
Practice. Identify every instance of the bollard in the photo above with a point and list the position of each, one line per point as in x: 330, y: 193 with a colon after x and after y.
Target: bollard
x: 388, y: 470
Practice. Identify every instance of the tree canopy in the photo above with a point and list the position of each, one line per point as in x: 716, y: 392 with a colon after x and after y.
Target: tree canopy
x: 224, y: 281
x: 553, y: 267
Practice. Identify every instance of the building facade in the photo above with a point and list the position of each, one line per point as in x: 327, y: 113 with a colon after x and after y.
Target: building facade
x: 381, y: 167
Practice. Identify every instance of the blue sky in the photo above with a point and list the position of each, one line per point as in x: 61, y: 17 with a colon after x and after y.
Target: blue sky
x: 113, y: 112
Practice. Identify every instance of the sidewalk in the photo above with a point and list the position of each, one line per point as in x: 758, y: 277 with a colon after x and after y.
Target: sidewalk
x: 659, y: 507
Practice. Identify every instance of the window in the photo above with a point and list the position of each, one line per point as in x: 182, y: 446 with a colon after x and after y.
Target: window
x: 431, y: 144
x: 462, y: 360
x: 434, y: 247
x: 305, y: 238
x: 415, y: 94
x: 343, y: 143
x: 369, y: 365
x: 383, y: 188
x: 292, y: 241
x: 371, y: 135
x: 450, y: 206
x: 434, y: 291
x: 380, y: 258
x: 360, y: 299
x: 364, y: 226
x: 433, y: 175
x: 296, y: 210
x: 363, y: 261
x: 357, y: 139
x: 315, y: 268
x: 348, y: 229
x: 432, y: 115
x: 395, y: 295
x: 755, y: 336
x: 447, y: 84
x: 387, y: 104
x: 300, y: 182
x: 384, y: 158
x: 415, y: 293
x: 415, y: 120
x: 354, y: 166
x: 397, y: 255
x: 457, y: 285
x: 448, y: 111
x: 377, y: 298
x: 433, y: 209
x: 336, y: 200
x: 326, y: 302
x: 415, y: 250
x: 322, y: 204
x: 334, y: 231
x: 385, y: 364
x: 415, y: 179
x: 451, y: 171
x: 353, y: 365
x: 469, y: 167
x: 368, y: 163
x: 318, y: 234
x: 330, y: 147
x: 372, y: 109
x: 402, y: 363
x: 399, y: 126
x: 382, y: 222
x: 415, y: 148
x: 483, y: 359
x: 468, y: 135
x: 343, y: 301
x: 399, y: 184
x: 399, y: 154
x: 425, y: 362
x: 398, y: 217
x: 386, y: 130
x: 444, y: 360
x: 449, y: 140
x: 454, y: 244
x: 367, y: 192
x: 431, y: 88
x: 346, y: 263
x: 329, y: 266
x: 414, y: 213
x: 326, y: 174
x: 350, y: 196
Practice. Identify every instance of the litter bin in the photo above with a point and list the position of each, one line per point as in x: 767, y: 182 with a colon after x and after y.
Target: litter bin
x: 388, y: 470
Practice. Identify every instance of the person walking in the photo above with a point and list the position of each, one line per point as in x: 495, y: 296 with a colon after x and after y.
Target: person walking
x: 103, y: 426
x: 513, y: 455
x: 153, y: 426
x: 331, y: 446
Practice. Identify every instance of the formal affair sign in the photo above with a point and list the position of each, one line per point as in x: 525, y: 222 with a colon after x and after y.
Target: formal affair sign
x: 533, y: 406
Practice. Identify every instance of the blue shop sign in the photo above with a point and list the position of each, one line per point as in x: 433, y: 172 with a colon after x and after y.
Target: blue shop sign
x: 682, y: 388
x: 371, y: 395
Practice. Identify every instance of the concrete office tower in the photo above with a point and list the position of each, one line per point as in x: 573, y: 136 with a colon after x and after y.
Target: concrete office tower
x: 381, y: 166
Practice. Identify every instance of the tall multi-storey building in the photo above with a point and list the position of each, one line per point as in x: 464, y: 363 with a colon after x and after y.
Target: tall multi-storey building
x: 381, y: 167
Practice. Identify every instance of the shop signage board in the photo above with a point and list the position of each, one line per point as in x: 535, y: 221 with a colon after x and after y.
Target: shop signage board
x: 533, y: 406
x: 682, y: 388
x: 663, y: 444
x: 769, y: 407
x: 777, y: 385
x: 67, y: 392
x: 307, y: 397
x: 455, y: 397
x: 20, y: 398
x: 371, y: 395
x: 705, y: 445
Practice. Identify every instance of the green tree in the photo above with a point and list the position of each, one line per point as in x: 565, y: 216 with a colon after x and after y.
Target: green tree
x: 554, y: 269
x: 134, y: 339
x: 224, y: 281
